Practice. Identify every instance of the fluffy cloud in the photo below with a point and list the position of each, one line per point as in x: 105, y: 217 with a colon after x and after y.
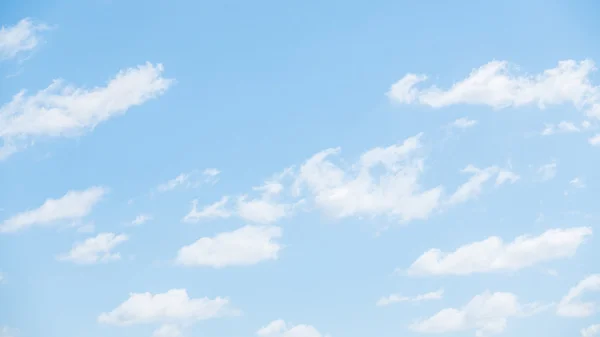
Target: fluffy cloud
x: 547, y: 171
x: 62, y: 110
x: 463, y: 123
x: 72, y: 206
x: 167, y: 330
x: 244, y: 246
x: 141, y: 219
x: 22, y: 37
x: 496, y: 85
x: 359, y: 190
x: 215, y: 210
x: 571, y: 305
x: 563, y: 127
x: 577, y: 182
x: 96, y: 249
x: 595, y: 140
x: 591, y: 331
x: 492, y: 254
x: 173, y: 306
x: 397, y: 298
x: 472, y: 188
x: 505, y: 176
x: 487, y: 314
x: 190, y: 179
x: 280, y: 328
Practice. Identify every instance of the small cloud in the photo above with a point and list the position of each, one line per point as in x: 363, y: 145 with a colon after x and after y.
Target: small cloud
x: 547, y: 171
x: 397, y: 298
x: 463, y: 123
x: 577, y: 182
x: 141, y: 219
x: 96, y: 249
x: 87, y: 228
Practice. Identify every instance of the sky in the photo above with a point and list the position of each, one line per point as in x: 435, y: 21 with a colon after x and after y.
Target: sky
x: 299, y: 169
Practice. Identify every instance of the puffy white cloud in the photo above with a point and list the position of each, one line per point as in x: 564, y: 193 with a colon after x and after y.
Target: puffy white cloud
x: 24, y: 36
x: 360, y: 191
x: 244, y: 246
x: 571, y: 305
x: 72, y: 206
x: 473, y: 187
x: 577, y: 182
x: 280, y: 328
x: 96, y: 249
x: 215, y: 210
x: 141, y: 219
x: 495, y: 85
x: 486, y: 314
x: 595, y: 140
x: 506, y: 176
x: 547, y: 171
x: 562, y: 127
x: 397, y: 298
x: 591, y: 331
x: 173, y: 306
x: 63, y: 110
x: 167, y: 330
x: 492, y: 254
x: 463, y: 123
x: 190, y: 179
x: 267, y: 208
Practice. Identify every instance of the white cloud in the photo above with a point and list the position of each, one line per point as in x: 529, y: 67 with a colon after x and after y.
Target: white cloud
x: 571, y: 305
x: 397, y: 298
x: 359, y: 190
x: 167, y: 330
x: 190, y: 179
x: 86, y: 228
x: 495, y: 85
x: 216, y: 210
x: 280, y: 328
x: 62, y: 110
x: 547, y: 171
x: 244, y: 246
x: 493, y: 255
x: 591, y: 331
x: 22, y: 37
x: 506, y: 176
x: 265, y: 209
x: 173, y: 306
x: 486, y: 314
x: 141, y: 219
x: 96, y: 249
x: 7, y: 332
x: 463, y: 123
x: 562, y: 127
x: 577, y: 182
x: 595, y: 140
x: 472, y: 188
x: 72, y: 206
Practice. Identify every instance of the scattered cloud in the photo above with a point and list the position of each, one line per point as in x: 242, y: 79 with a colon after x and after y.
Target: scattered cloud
x: 141, y: 219
x: 86, y: 228
x: 591, y: 331
x: 571, y: 305
x: 173, y: 306
x: 244, y: 246
x: 496, y: 85
x: 190, y: 179
x: 215, y: 210
x: 360, y: 191
x: 577, y: 182
x: 562, y: 127
x: 96, y: 249
x: 397, y: 298
x: 167, y: 330
x: 72, y: 206
x: 463, y: 123
x: 493, y: 255
x: 63, y: 110
x: 473, y: 187
x: 280, y: 328
x: 5, y: 331
x: 22, y: 37
x: 595, y: 140
x: 506, y: 176
x: 547, y: 171
x: 486, y: 314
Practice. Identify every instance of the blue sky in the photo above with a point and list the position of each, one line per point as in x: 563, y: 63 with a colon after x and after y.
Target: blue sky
x: 299, y: 169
